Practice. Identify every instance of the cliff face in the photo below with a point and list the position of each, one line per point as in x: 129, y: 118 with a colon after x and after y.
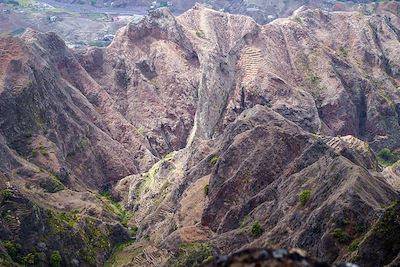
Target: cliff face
x: 274, y: 129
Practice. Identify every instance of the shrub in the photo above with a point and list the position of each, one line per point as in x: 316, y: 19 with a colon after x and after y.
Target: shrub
x: 341, y: 235
x: 206, y: 189
x: 353, y: 245
x: 200, y: 34
x: 386, y: 157
x: 7, y: 194
x: 304, y: 196
x: 44, y: 152
x: 35, y: 152
x: 51, y: 185
x: 55, y: 259
x: 256, y: 229
x: 214, y: 160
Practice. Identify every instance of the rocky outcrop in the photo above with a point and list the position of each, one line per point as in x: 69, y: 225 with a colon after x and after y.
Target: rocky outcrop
x: 383, y: 238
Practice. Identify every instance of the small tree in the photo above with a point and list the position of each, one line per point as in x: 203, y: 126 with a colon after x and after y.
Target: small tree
x: 304, y: 196
x: 256, y: 229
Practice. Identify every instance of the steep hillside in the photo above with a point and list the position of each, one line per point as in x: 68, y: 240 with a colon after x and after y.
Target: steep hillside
x: 199, y: 135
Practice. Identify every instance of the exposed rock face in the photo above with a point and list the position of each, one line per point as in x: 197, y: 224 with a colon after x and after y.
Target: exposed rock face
x: 273, y: 127
x: 265, y: 258
x: 265, y: 164
x: 382, y: 237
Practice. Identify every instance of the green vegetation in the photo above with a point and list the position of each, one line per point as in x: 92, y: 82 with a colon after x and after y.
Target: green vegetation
x: 214, y: 160
x: 386, y: 157
x: 96, y: 240
x: 191, y: 254
x: 141, y: 130
x: 61, y: 222
x: 133, y: 231
x: 107, y: 194
x: 387, y: 229
x: 13, y: 250
x: 200, y: 34
x: 304, y: 196
x: 169, y: 155
x: 256, y: 229
x: 51, y: 185
x: 149, y: 178
x: 55, y: 259
x: 123, y: 249
x: 341, y: 235
x: 353, y: 245
x: 44, y: 152
x: 35, y: 152
x: 114, y: 207
x: 6, y: 194
x: 206, y: 189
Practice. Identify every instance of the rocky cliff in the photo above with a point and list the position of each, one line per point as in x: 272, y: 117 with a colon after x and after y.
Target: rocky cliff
x: 203, y: 134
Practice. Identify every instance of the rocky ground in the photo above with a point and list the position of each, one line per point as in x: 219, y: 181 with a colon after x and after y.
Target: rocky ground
x: 200, y: 135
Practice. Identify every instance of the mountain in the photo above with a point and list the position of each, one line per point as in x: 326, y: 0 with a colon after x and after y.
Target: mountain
x: 262, y: 11
x: 203, y: 134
